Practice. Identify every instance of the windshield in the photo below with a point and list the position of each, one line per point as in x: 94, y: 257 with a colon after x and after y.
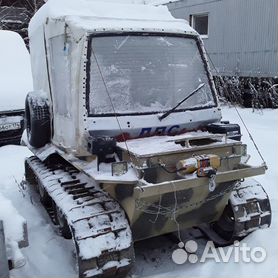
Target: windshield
x: 146, y: 74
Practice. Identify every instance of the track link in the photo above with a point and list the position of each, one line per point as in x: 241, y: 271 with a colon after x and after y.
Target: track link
x: 97, y: 223
x: 248, y: 210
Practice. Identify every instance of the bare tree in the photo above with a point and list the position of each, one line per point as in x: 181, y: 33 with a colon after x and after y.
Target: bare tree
x: 16, y: 14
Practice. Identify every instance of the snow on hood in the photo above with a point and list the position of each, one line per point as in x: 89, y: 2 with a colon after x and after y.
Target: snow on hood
x: 123, y: 10
x: 15, y: 71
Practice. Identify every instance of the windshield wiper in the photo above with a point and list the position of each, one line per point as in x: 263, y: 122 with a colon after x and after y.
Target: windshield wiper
x: 166, y: 114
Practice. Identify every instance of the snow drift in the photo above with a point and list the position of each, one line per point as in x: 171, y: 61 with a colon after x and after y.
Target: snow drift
x: 15, y: 71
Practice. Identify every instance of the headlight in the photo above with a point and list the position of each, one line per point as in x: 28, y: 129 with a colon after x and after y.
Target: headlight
x: 243, y: 150
x: 244, y: 155
x: 119, y: 168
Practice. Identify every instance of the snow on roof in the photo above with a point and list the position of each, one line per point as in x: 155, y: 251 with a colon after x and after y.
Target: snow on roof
x: 15, y: 71
x: 123, y: 13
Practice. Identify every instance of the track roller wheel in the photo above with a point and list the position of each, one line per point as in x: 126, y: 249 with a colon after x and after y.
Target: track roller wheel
x: 62, y: 222
x: 44, y: 197
x: 247, y: 211
x: 29, y: 175
x: 225, y: 226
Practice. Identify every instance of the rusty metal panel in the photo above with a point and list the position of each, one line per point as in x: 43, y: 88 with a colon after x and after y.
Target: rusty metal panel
x: 243, y: 34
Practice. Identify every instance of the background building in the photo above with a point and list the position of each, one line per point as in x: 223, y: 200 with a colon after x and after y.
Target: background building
x: 241, y: 39
x: 240, y: 36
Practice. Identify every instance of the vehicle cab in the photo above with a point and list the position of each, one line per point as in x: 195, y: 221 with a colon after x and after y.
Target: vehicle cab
x: 124, y: 71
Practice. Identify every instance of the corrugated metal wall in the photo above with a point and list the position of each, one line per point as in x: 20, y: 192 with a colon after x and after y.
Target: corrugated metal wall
x: 242, y: 34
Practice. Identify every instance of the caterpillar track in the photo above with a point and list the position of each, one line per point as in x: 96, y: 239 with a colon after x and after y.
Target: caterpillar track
x: 96, y: 223
x: 248, y: 210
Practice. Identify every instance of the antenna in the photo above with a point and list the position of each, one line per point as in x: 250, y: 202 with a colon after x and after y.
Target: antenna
x: 110, y: 99
x: 240, y: 117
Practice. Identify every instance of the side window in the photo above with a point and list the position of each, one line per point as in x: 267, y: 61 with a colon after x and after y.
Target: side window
x: 200, y: 23
x: 60, y: 75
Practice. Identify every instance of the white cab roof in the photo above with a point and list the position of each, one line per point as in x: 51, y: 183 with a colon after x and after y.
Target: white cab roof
x: 91, y: 15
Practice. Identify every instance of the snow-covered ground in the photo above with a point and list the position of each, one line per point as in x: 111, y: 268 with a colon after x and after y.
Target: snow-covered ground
x: 49, y: 255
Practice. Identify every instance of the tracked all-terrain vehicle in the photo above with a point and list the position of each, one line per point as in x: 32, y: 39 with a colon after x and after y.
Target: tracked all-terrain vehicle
x: 126, y: 131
